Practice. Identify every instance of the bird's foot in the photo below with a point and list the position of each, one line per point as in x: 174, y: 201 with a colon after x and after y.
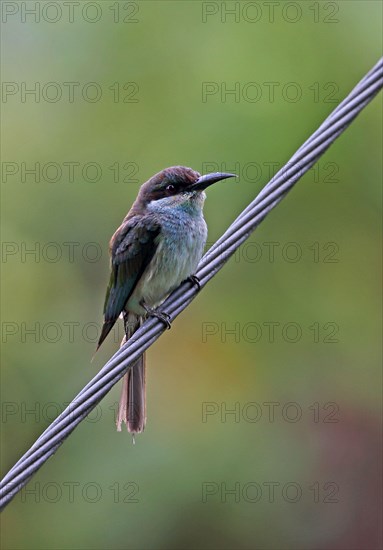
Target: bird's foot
x: 161, y: 315
x: 195, y: 281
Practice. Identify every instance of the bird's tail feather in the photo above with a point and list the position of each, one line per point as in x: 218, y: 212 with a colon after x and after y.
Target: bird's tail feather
x: 132, y: 406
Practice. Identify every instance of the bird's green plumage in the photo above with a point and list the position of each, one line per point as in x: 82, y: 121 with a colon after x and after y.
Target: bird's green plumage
x: 132, y: 248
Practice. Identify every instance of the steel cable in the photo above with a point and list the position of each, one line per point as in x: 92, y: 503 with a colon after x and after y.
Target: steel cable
x: 304, y: 158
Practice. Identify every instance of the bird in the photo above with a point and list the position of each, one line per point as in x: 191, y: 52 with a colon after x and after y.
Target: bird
x: 157, y: 246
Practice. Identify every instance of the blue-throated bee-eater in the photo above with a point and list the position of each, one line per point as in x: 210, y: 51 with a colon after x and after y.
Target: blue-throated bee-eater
x: 157, y: 246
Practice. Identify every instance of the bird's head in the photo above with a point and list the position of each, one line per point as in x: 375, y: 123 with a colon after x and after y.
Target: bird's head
x: 178, y: 184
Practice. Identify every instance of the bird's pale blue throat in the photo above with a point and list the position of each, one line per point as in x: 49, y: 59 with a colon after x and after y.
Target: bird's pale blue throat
x: 157, y: 246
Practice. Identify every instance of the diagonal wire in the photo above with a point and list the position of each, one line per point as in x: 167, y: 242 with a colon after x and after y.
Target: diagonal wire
x: 304, y: 158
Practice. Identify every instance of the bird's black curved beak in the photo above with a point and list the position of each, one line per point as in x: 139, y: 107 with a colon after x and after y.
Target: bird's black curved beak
x: 209, y: 179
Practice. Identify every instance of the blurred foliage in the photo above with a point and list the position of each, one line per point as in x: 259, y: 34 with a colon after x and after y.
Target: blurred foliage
x: 172, y: 49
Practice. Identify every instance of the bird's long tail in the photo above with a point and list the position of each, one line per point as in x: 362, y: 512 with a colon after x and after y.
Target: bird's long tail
x: 132, y: 406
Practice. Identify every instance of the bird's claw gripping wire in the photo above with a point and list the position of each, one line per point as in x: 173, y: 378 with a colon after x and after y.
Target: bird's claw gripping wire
x: 195, y: 281
x: 161, y: 315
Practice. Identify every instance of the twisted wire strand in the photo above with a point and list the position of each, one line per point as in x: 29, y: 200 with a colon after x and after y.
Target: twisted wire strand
x: 302, y: 160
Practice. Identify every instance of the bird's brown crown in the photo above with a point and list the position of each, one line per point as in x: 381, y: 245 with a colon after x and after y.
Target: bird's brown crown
x: 171, y: 181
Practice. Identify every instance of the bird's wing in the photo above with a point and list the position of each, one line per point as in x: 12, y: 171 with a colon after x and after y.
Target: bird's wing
x: 132, y: 248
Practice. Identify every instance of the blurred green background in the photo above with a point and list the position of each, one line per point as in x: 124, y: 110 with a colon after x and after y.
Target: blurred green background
x: 306, y: 398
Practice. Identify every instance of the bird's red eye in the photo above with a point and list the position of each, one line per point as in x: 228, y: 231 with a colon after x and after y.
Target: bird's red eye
x: 170, y: 188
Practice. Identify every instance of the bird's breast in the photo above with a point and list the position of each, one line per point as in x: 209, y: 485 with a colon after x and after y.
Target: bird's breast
x: 180, y: 247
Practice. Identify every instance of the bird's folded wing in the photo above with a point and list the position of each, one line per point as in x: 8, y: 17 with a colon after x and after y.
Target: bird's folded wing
x: 132, y: 247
